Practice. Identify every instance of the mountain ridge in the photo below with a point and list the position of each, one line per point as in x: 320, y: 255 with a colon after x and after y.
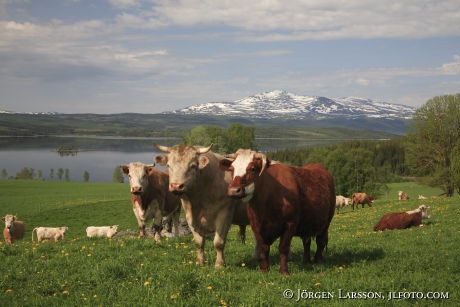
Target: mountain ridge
x: 282, y: 104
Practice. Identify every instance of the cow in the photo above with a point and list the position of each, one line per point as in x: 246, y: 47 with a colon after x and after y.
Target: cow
x: 49, y: 233
x: 14, y: 228
x: 283, y: 201
x: 403, y: 195
x: 101, y: 231
x: 361, y: 199
x: 151, y: 198
x: 402, y: 220
x: 341, y: 201
x: 195, y: 176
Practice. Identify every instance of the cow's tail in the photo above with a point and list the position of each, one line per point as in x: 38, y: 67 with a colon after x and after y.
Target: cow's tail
x: 35, y: 229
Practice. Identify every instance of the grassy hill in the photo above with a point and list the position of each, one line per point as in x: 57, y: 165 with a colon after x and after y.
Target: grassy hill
x: 126, y: 271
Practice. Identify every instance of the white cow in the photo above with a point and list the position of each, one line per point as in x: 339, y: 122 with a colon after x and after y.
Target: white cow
x: 101, y: 231
x: 341, y: 201
x: 49, y: 233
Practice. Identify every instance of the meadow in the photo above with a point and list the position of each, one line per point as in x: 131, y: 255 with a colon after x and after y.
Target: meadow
x: 420, y: 266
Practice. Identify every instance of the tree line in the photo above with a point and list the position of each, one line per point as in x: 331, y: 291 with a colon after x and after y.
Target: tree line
x: 29, y: 173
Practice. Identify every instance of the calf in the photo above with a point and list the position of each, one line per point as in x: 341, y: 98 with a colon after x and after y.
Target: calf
x: 151, y: 197
x: 361, y: 199
x: 14, y: 228
x: 403, y: 195
x: 402, y: 220
x: 49, y: 233
x: 283, y: 201
x: 101, y: 231
x: 341, y: 201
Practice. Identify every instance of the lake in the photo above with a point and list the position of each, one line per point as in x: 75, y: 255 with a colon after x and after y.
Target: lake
x: 99, y: 156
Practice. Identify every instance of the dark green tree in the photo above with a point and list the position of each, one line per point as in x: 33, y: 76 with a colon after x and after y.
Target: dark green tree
x: 4, y: 173
x: 86, y: 176
x: 239, y: 136
x: 118, y: 175
x: 433, y: 143
x: 26, y: 173
x: 60, y: 173
x: 67, y: 174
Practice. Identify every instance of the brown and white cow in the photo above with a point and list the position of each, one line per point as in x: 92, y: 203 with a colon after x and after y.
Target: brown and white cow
x: 14, y: 228
x: 151, y: 198
x: 403, y: 195
x: 195, y: 176
x: 341, y: 201
x: 283, y: 201
x: 49, y: 233
x: 402, y: 220
x: 361, y: 199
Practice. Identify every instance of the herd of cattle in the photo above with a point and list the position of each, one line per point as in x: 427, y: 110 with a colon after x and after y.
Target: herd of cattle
x: 244, y: 188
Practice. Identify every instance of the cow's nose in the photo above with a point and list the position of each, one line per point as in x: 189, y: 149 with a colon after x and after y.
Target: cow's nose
x: 176, y: 187
x: 235, y: 192
x: 136, y: 190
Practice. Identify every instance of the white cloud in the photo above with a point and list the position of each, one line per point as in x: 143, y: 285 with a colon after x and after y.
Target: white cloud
x: 452, y: 68
x: 123, y: 3
x: 279, y: 20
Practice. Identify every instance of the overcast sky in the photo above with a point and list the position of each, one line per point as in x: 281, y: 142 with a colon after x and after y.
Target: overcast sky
x: 112, y: 56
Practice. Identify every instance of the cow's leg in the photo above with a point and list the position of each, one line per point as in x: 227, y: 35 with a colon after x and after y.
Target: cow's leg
x: 285, y: 247
x: 199, y: 242
x: 264, y: 254
x: 140, y: 222
x: 223, y: 223
x: 157, y: 225
x: 306, y: 240
x: 321, y: 243
x: 175, y: 222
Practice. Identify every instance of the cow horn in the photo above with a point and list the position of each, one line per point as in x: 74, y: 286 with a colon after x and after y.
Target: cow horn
x: 202, y: 150
x: 261, y: 156
x: 163, y: 148
x: 231, y: 156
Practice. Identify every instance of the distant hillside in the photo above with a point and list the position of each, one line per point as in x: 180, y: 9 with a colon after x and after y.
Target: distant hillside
x: 269, y: 109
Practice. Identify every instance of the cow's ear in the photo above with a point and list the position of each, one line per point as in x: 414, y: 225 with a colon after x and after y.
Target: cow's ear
x: 3, y: 219
x: 225, y: 164
x: 149, y: 168
x: 162, y: 160
x: 125, y: 169
x: 203, y: 161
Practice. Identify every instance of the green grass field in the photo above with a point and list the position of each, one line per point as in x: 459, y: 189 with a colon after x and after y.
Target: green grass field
x: 126, y: 271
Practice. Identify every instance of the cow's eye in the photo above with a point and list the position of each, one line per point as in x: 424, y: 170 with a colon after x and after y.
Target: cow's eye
x: 193, y: 166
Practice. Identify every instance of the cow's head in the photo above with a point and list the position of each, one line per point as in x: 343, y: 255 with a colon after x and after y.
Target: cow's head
x: 184, y: 163
x: 425, y: 213
x: 9, y: 220
x: 112, y: 231
x: 245, y: 165
x: 138, y: 175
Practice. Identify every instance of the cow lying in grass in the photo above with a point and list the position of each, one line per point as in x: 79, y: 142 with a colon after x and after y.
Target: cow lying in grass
x: 402, y: 220
x: 101, y: 231
x: 14, y: 228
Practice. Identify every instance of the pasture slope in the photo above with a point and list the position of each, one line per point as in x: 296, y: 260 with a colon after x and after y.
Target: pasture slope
x: 126, y: 271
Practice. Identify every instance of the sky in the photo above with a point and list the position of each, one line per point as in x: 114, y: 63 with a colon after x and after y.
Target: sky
x: 147, y: 56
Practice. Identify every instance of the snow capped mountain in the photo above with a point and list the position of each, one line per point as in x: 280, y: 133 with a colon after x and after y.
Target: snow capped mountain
x: 277, y: 104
